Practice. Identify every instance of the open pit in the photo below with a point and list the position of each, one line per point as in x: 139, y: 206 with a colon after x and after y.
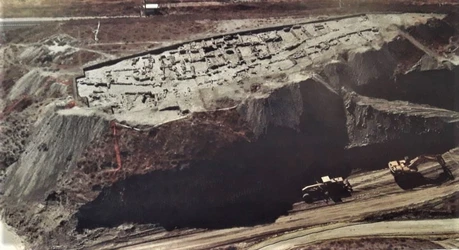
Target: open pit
x: 223, y: 132
x: 295, y: 119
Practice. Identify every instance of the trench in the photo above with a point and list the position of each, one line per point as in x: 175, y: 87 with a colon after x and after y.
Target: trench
x: 438, y: 88
x: 255, y: 183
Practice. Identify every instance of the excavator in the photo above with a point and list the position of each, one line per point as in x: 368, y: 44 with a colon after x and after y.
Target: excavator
x: 406, y: 173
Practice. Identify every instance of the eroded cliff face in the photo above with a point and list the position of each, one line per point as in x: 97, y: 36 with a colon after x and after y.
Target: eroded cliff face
x: 241, y: 164
x: 212, y: 170
x: 32, y: 201
x: 373, y: 121
x: 60, y: 140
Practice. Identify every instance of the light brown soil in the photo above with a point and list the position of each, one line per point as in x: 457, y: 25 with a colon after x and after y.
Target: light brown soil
x: 373, y: 243
x: 447, y: 208
x: 155, y: 30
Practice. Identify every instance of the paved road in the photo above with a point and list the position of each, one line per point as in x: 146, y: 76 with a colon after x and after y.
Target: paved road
x: 375, y: 192
x: 392, y: 228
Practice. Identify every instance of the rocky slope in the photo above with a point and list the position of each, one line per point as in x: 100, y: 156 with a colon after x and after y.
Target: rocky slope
x: 241, y: 164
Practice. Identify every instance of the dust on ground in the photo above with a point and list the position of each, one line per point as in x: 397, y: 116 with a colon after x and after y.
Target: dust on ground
x: 373, y: 243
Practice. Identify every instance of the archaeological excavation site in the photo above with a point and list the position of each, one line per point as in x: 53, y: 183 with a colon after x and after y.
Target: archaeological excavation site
x: 253, y: 125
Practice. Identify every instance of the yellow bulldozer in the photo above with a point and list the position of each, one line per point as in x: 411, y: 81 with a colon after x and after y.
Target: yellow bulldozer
x: 407, y: 176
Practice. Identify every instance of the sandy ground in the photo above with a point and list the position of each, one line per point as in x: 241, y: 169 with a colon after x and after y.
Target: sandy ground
x: 449, y: 243
x: 375, y: 193
x: 385, y: 228
x: 8, y: 239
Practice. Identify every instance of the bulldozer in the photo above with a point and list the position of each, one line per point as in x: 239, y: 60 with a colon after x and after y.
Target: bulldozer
x: 328, y: 189
x: 406, y: 173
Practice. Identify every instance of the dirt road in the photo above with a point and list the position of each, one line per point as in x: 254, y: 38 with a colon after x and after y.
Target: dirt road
x: 375, y: 194
x: 391, y: 228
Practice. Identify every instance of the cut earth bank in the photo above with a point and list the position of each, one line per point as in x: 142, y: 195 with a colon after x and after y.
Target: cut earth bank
x: 224, y: 132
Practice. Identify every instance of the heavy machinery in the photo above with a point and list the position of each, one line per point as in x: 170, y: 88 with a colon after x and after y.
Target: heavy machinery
x: 329, y: 189
x: 406, y: 173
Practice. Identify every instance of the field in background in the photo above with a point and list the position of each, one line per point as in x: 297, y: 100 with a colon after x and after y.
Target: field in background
x: 61, y: 8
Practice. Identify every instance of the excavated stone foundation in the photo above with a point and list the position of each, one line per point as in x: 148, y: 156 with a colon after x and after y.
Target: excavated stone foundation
x: 236, y: 152
x: 256, y: 179
x: 249, y: 181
